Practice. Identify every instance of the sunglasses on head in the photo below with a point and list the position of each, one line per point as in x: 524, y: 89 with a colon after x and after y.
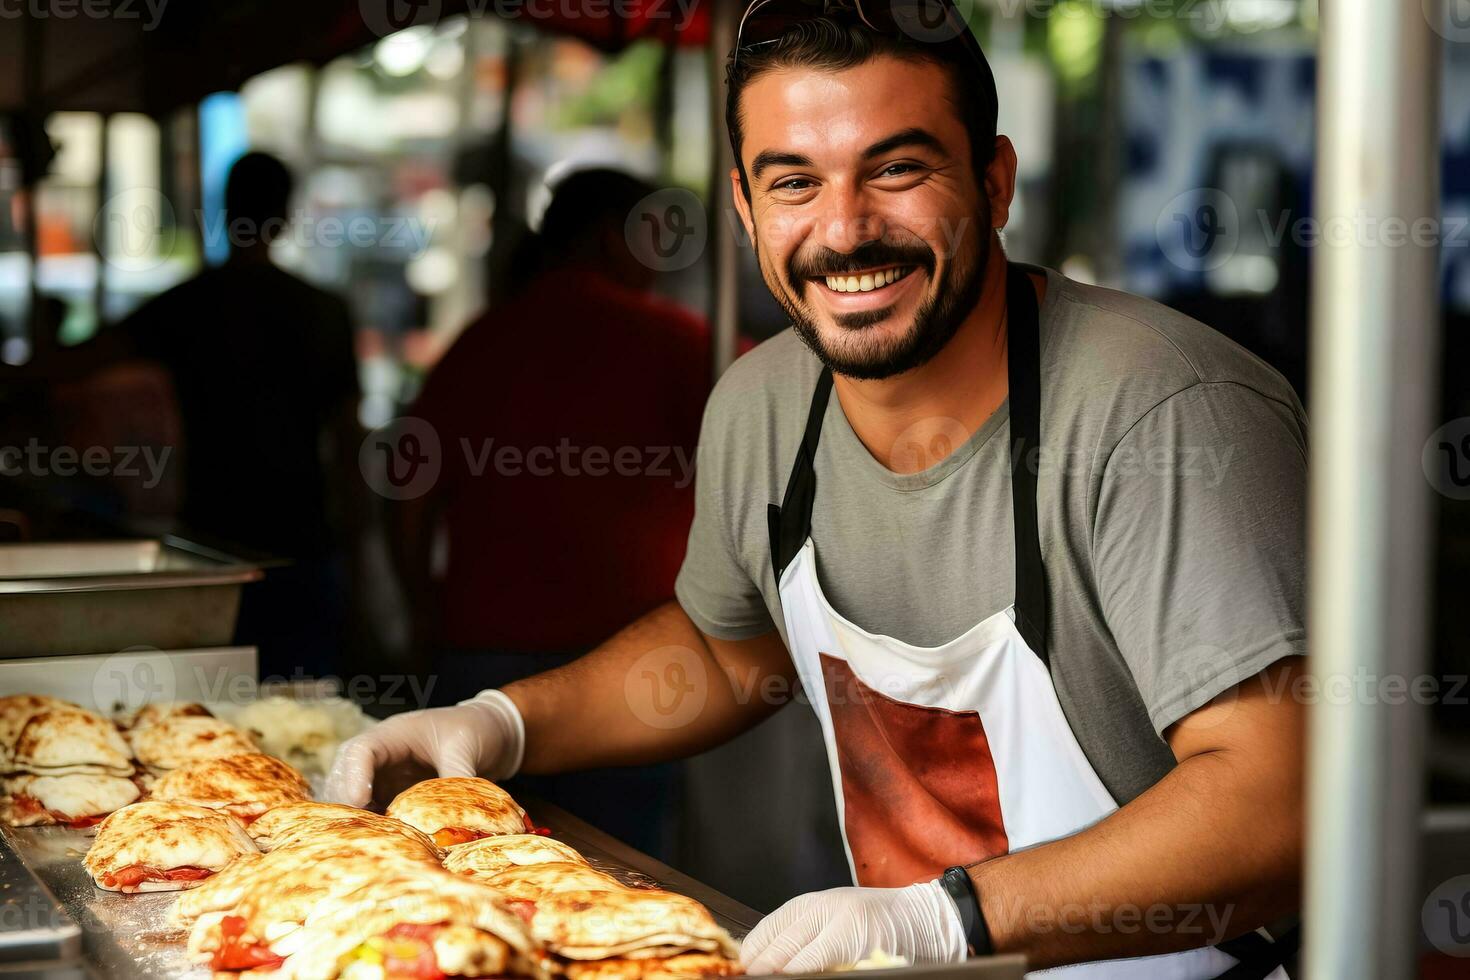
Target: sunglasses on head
x: 933, y: 21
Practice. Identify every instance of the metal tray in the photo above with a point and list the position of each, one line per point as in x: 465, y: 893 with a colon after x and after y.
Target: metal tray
x: 86, y: 597
x: 127, y: 935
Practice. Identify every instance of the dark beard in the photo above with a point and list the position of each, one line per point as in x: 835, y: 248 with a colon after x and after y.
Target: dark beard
x: 935, y: 322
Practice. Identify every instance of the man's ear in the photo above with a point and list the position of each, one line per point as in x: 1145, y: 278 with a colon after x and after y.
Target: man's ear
x: 1000, y: 181
x: 742, y: 206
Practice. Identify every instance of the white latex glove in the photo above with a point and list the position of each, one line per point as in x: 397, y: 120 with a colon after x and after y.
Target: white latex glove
x: 840, y: 926
x: 484, y: 736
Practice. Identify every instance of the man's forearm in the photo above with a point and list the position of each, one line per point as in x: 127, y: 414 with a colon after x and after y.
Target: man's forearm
x: 1173, y: 870
x: 657, y: 690
x: 1212, y: 851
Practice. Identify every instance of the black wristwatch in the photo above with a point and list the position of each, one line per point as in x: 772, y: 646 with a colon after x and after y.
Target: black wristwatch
x: 958, y: 885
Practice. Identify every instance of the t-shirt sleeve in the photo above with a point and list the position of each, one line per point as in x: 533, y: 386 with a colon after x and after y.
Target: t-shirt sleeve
x: 714, y: 586
x: 1199, y: 544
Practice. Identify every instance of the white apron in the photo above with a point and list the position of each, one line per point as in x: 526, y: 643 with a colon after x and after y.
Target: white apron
x: 957, y: 753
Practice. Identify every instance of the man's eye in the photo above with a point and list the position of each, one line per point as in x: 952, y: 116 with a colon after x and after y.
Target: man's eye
x: 898, y: 169
x: 793, y: 184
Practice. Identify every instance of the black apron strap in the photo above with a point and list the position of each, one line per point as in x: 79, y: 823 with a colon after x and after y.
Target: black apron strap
x: 791, y: 522
x: 1023, y: 368
x: 1259, y: 957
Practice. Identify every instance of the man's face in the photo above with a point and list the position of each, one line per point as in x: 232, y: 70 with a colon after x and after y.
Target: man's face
x: 868, y: 223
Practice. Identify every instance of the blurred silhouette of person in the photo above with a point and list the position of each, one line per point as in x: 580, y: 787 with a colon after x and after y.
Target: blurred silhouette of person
x: 567, y: 418
x: 266, y: 381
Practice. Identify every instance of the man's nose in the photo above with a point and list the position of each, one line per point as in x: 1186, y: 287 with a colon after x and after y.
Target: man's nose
x: 849, y: 221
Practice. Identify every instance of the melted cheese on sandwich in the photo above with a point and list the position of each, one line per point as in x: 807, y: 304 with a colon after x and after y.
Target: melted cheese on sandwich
x: 60, y: 741
x: 163, y: 846
x: 171, y: 742
x: 246, y: 784
x: 410, y: 915
x: 455, y: 810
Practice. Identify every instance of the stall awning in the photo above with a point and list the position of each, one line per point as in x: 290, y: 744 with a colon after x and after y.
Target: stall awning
x: 156, y: 55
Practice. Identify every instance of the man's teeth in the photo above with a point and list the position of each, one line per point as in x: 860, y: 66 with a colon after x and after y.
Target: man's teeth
x: 868, y: 281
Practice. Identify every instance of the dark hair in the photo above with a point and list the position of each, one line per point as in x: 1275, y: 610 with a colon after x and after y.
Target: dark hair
x: 829, y: 44
x: 585, y: 201
x: 258, y: 190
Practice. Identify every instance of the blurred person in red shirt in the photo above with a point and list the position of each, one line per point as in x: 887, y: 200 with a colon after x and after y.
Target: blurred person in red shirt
x: 566, y: 419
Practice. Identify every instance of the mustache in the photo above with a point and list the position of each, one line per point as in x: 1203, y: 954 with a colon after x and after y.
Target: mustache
x: 820, y: 261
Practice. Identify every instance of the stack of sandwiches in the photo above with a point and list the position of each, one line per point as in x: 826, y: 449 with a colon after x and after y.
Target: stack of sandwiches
x: 63, y: 764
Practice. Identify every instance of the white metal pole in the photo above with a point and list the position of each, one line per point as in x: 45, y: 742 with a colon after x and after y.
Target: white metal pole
x: 1373, y: 388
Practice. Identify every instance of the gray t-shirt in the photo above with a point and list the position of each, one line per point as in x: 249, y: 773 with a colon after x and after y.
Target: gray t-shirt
x: 1172, y: 510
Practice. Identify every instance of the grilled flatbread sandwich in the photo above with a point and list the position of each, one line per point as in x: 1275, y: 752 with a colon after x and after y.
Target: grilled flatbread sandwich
x: 487, y: 857
x: 76, y: 800
x: 533, y: 882
x: 66, y: 741
x: 288, y: 883
x: 152, y: 714
x: 456, y: 810
x: 244, y: 785
x: 15, y: 711
x: 405, y: 923
x: 171, y: 742
x: 626, y: 923
x: 156, y: 846
x: 282, y: 826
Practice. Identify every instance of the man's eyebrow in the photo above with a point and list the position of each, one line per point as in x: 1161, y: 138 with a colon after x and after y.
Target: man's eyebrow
x: 913, y: 136
x: 766, y: 159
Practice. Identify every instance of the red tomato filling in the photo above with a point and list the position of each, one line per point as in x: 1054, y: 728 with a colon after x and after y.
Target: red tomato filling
x: 235, y: 954
x: 531, y: 827
x: 410, y: 952
x: 133, y: 875
x: 449, y: 836
x: 30, y: 805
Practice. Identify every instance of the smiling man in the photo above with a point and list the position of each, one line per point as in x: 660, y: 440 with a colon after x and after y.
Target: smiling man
x: 962, y: 503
